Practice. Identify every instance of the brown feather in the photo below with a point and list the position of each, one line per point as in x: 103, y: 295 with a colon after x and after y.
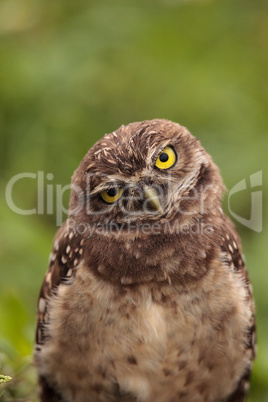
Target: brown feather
x: 140, y: 304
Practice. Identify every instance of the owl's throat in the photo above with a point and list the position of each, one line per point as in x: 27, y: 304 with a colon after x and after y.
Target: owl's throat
x: 156, y: 252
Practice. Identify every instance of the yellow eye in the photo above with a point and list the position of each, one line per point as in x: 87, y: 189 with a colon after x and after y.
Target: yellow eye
x: 166, y: 159
x: 112, y: 195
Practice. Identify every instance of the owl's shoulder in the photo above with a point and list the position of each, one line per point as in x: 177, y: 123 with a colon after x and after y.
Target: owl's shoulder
x: 231, y: 253
x: 66, y: 254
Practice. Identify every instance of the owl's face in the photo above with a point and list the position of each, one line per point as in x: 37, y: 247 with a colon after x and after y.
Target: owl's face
x: 144, y: 173
x: 137, y: 196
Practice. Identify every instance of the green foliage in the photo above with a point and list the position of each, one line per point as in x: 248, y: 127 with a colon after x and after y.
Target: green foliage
x: 72, y: 71
x: 4, y: 378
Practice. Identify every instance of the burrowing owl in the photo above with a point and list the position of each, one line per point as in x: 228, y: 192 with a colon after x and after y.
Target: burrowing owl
x: 146, y: 297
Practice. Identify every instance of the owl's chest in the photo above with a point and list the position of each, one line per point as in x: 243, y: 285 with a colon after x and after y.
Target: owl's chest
x: 146, y: 346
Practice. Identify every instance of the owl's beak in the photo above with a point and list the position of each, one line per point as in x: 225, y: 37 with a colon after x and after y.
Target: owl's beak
x: 152, y: 197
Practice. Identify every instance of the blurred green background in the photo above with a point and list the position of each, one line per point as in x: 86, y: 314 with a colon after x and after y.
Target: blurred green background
x: 71, y: 71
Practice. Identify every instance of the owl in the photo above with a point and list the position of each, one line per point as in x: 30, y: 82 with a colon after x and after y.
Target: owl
x: 146, y: 298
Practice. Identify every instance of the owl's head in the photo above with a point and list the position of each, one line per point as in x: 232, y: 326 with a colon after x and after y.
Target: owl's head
x: 143, y: 173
